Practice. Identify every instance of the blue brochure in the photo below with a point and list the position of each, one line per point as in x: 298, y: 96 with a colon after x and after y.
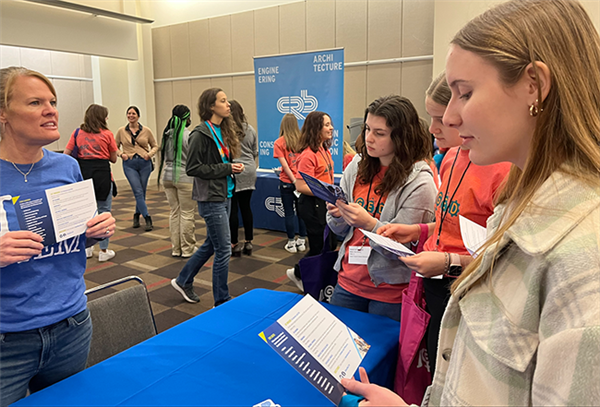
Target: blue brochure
x: 327, y: 192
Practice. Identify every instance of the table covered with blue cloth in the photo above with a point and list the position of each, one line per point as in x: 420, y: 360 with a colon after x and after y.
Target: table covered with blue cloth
x: 218, y: 359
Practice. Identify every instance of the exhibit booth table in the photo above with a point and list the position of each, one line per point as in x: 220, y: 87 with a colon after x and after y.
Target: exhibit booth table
x: 218, y: 359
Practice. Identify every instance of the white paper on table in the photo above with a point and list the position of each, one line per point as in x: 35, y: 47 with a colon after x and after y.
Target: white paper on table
x: 473, y: 235
x: 71, y: 206
x: 393, y: 246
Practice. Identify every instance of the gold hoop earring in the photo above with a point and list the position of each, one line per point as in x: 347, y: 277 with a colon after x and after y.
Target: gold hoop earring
x: 534, y: 110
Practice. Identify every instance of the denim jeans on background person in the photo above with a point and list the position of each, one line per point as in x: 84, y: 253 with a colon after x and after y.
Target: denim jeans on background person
x: 105, y: 206
x: 346, y: 299
x: 290, y: 205
x: 137, y: 171
x: 38, y: 358
x: 218, y: 241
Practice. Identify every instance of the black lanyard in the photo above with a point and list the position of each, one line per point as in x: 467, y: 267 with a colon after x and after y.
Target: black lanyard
x: 367, y: 201
x: 329, y: 165
x: 445, y: 213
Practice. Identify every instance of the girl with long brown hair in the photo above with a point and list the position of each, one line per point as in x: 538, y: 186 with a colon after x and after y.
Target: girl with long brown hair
x: 387, y: 181
x: 523, y: 322
x: 213, y: 146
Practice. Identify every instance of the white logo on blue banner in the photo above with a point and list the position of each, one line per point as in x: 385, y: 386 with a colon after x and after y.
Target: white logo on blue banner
x: 299, y: 84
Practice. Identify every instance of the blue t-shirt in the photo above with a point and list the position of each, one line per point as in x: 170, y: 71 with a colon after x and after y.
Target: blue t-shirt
x: 219, y: 141
x: 50, y: 287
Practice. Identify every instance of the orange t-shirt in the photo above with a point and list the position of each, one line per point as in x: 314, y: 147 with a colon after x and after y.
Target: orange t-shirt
x: 474, y: 199
x: 93, y: 146
x: 355, y: 278
x: 280, y: 150
x: 318, y: 165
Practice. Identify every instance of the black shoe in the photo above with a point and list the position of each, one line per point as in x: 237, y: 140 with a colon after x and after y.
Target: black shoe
x: 236, y: 250
x: 136, y: 220
x: 149, y: 226
x: 247, y: 248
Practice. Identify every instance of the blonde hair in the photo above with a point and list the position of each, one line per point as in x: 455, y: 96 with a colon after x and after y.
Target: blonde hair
x: 290, y: 131
x: 348, y: 148
x: 439, y: 91
x: 566, y: 138
x: 9, y: 75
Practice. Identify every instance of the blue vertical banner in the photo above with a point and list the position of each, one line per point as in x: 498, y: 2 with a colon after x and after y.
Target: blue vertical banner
x: 299, y: 84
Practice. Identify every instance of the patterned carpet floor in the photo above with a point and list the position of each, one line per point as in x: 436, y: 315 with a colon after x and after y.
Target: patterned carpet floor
x: 148, y: 256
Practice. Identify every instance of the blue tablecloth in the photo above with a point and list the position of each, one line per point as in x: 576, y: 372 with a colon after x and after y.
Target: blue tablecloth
x: 218, y: 359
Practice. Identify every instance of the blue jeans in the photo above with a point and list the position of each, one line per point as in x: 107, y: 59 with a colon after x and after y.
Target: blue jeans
x: 137, y: 171
x: 218, y: 241
x: 346, y: 299
x: 38, y: 358
x: 104, y: 206
x: 289, y: 201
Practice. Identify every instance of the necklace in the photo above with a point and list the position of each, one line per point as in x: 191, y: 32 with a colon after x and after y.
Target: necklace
x: 23, y: 173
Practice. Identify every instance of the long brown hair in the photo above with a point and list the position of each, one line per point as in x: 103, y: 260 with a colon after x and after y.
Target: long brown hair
x: 239, y: 118
x: 205, y: 103
x: 290, y: 131
x: 411, y: 142
x: 95, y: 119
x: 310, y: 135
x: 566, y: 138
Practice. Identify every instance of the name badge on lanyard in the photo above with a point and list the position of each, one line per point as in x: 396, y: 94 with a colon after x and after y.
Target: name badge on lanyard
x: 359, y: 254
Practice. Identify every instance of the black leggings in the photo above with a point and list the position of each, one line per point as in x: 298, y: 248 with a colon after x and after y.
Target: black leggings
x: 437, y: 295
x: 241, y: 200
x: 313, y: 211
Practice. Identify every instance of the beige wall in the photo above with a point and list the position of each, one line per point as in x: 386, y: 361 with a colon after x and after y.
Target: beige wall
x: 368, y: 30
x: 74, y: 94
x: 450, y: 16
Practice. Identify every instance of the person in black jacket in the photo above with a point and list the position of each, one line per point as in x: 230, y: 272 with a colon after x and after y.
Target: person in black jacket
x: 213, y: 146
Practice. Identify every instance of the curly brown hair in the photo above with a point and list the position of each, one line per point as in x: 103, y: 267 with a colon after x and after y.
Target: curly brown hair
x: 411, y: 141
x: 310, y: 135
x: 205, y: 103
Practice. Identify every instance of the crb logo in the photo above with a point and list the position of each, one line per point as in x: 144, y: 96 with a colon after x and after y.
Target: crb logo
x: 273, y: 204
x: 297, y: 105
x: 326, y: 293
x: 423, y: 359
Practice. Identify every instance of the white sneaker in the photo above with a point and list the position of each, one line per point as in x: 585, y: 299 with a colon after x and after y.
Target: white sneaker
x: 291, y: 246
x: 301, y: 244
x: 294, y: 279
x: 107, y: 255
x: 89, y: 252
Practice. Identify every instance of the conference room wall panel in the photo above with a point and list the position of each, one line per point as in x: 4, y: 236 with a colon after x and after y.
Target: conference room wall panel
x: 383, y: 80
x: 182, y: 95
x: 180, y: 47
x: 292, y: 28
x: 351, y: 29
x: 417, y: 27
x: 199, y: 48
x: 266, y: 31
x: 72, y: 109
x: 242, y: 41
x: 320, y: 24
x: 163, y: 92
x: 38, y: 60
x: 220, y: 44
x: 355, y: 95
x: 414, y: 82
x: 243, y: 92
x: 161, y: 52
x: 367, y: 30
x: 384, y: 29
x: 87, y: 95
x: 66, y: 64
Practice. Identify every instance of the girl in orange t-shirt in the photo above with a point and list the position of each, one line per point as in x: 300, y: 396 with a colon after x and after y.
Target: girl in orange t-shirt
x: 389, y: 181
x: 315, y: 160
x: 284, y: 150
